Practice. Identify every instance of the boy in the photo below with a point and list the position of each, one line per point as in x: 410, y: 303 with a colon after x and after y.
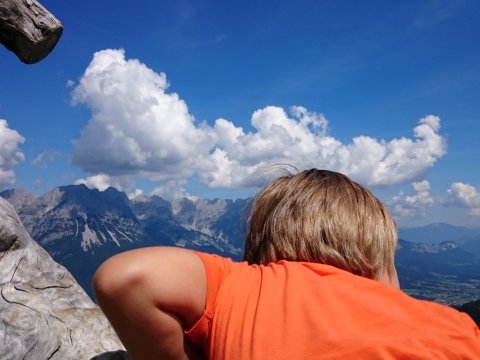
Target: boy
x: 319, y: 281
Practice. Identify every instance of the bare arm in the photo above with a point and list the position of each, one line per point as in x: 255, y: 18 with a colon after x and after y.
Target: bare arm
x: 150, y: 296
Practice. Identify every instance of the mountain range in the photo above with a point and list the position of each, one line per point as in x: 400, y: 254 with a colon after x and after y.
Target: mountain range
x: 438, y: 232
x: 81, y: 227
x: 467, y: 238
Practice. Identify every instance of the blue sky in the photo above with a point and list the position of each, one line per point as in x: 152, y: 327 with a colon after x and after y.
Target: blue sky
x: 196, y: 98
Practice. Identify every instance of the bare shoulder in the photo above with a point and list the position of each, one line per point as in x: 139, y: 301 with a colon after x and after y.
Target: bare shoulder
x: 175, y: 278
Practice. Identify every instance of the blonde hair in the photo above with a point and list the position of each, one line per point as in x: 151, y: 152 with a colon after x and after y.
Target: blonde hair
x: 324, y: 217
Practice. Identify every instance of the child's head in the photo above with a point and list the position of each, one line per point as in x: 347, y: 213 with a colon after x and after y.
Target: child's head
x: 321, y: 216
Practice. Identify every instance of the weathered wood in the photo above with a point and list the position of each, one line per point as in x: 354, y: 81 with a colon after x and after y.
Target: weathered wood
x: 28, y: 29
x: 44, y: 313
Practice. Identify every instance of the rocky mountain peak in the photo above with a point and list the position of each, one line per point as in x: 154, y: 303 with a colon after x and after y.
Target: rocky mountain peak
x: 151, y: 207
x: 93, y: 201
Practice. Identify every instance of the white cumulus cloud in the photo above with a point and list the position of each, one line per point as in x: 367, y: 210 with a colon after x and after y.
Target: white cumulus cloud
x: 45, y: 157
x: 422, y: 194
x: 135, y: 193
x: 10, y: 153
x: 300, y: 138
x: 104, y: 181
x: 412, y: 205
x: 138, y: 128
x: 467, y: 196
x: 173, y: 190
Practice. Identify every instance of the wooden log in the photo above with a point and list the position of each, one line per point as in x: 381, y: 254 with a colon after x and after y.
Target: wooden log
x: 44, y: 313
x: 28, y: 29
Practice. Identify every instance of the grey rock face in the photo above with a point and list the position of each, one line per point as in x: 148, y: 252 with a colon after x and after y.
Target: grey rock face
x: 222, y: 219
x: 79, y: 227
x: 44, y: 313
x: 216, y: 226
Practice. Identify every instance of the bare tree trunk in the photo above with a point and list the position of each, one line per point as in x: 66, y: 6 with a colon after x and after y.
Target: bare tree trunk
x: 28, y: 29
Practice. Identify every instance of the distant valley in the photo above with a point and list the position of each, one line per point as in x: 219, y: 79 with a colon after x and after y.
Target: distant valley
x: 442, y: 272
x: 81, y: 227
x: 440, y: 262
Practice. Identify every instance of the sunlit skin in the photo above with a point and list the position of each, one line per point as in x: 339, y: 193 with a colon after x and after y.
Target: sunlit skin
x: 150, y: 296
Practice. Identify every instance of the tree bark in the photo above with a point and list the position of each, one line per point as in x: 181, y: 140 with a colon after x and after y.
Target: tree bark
x: 28, y: 29
x: 44, y: 313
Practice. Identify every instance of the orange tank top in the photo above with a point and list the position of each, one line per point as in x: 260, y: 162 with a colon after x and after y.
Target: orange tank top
x: 297, y: 310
